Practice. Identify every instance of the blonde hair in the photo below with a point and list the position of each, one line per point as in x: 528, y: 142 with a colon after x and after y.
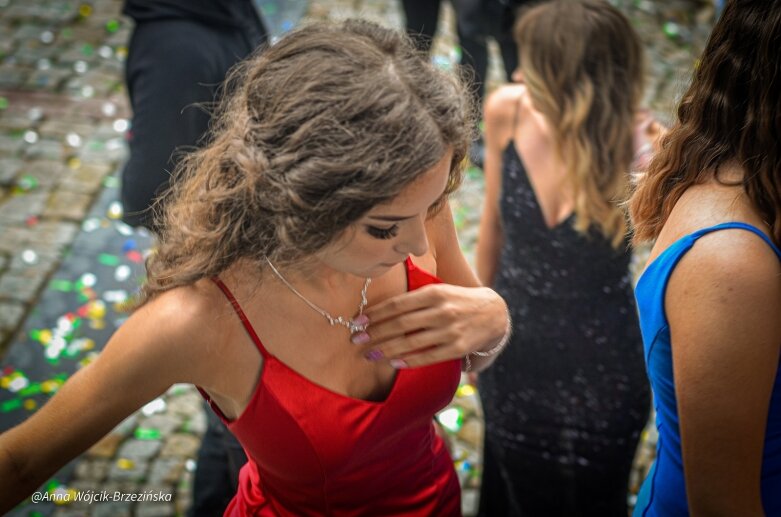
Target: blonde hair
x: 583, y: 67
x: 319, y: 128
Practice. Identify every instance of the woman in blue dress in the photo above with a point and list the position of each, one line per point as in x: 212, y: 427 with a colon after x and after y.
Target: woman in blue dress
x: 710, y: 297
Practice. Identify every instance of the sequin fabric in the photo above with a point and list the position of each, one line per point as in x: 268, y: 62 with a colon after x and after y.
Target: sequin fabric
x: 566, y: 401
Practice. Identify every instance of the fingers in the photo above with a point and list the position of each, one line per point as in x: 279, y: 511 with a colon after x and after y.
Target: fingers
x: 422, y: 298
x: 419, y: 349
x: 407, y: 323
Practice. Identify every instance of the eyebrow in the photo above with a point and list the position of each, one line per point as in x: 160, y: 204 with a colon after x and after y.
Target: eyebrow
x: 391, y: 217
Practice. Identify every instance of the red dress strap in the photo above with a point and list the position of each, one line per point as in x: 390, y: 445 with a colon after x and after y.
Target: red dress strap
x: 243, y: 317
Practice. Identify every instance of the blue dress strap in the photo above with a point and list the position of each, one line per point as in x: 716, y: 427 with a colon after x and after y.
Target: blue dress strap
x: 652, y: 283
x: 742, y: 226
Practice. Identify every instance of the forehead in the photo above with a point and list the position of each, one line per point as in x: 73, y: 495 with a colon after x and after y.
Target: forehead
x: 421, y: 193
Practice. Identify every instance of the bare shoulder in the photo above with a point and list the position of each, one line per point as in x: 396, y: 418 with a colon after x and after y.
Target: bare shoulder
x: 177, y: 327
x: 501, y: 104
x: 732, y: 274
x: 180, y: 311
x: 449, y: 262
x: 735, y: 256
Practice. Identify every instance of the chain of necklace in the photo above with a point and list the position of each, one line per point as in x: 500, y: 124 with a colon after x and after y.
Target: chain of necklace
x: 352, y: 327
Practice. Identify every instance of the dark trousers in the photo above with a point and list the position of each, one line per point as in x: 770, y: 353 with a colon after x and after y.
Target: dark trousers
x: 174, y: 69
x: 217, y: 475
x: 476, y: 21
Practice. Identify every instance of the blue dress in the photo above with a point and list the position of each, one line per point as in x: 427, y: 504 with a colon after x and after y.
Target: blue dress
x: 664, y: 491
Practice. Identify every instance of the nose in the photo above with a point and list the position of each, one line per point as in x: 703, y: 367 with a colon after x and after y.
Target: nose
x: 415, y: 240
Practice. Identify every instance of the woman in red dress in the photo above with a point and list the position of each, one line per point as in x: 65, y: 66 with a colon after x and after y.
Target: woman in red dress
x: 308, y: 280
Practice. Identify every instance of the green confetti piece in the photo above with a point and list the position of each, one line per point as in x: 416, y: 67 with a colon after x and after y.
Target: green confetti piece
x: 64, y: 286
x: 10, y: 405
x: 112, y: 26
x: 671, y: 29
x: 27, y: 182
x: 111, y: 182
x: 3, y: 103
x: 108, y: 260
x: 457, y: 54
x: 474, y: 173
x: 32, y: 389
x: 147, y: 433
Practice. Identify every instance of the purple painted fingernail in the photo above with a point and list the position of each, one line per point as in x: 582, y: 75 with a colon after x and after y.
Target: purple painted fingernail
x: 399, y: 364
x: 361, y: 338
x: 374, y: 355
x: 361, y: 320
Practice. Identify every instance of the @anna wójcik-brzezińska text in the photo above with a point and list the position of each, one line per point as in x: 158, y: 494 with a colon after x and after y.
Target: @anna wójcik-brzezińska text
x: 63, y: 496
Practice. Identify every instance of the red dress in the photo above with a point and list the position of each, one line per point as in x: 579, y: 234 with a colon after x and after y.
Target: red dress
x: 315, y: 452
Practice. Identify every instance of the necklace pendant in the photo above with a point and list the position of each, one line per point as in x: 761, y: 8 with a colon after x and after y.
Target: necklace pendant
x: 355, y: 328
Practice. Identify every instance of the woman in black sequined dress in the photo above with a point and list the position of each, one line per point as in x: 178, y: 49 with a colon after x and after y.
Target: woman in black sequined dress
x: 566, y: 401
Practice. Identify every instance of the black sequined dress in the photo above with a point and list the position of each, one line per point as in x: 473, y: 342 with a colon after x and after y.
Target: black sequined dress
x: 567, y: 399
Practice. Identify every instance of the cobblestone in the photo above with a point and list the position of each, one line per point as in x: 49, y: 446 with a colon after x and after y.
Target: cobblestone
x: 11, y: 314
x: 155, y: 510
x: 165, y: 471
x: 180, y: 445
x: 68, y: 205
x: 139, y: 449
x: 107, y: 447
x: 9, y: 168
x: 93, y: 470
x: 126, y: 469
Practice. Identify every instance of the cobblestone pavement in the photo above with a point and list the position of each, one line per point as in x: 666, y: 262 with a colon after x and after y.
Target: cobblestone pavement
x: 67, y: 264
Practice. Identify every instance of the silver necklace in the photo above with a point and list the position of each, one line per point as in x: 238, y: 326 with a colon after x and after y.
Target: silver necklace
x: 352, y: 327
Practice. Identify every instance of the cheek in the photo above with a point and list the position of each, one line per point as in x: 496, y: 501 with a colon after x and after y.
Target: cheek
x: 369, y: 249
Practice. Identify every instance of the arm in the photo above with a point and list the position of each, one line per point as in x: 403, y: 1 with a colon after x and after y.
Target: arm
x: 723, y: 302
x: 498, y: 116
x: 139, y: 363
x: 444, y: 321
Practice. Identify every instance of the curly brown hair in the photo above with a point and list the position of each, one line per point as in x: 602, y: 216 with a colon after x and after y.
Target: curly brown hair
x: 332, y: 120
x: 731, y: 111
x: 583, y: 67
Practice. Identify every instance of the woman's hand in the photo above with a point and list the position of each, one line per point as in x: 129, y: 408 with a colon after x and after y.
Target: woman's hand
x: 435, y: 323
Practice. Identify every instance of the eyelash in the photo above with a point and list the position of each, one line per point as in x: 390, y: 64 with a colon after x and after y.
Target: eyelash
x: 383, y: 233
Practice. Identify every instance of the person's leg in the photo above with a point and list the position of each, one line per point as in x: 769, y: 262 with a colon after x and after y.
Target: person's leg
x: 494, y: 500
x: 217, y: 474
x: 167, y: 72
x: 422, y: 18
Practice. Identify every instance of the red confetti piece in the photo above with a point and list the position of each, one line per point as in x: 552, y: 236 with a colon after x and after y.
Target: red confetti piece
x: 134, y: 256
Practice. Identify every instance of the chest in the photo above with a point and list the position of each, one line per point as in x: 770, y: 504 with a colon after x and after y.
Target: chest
x: 302, y: 341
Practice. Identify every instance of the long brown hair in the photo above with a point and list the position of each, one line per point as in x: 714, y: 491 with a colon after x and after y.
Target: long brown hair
x: 731, y: 111
x: 327, y: 123
x: 583, y: 66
